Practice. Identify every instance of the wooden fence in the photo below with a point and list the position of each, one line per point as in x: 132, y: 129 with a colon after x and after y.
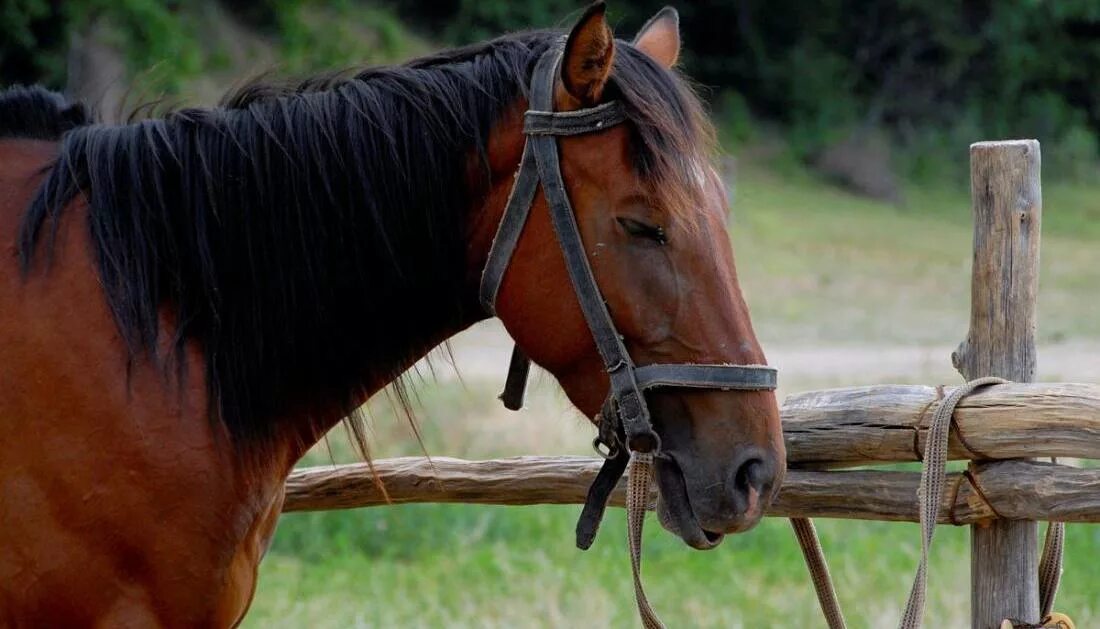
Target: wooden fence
x: 999, y: 429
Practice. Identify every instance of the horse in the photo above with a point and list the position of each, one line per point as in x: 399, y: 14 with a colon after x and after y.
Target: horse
x: 189, y: 302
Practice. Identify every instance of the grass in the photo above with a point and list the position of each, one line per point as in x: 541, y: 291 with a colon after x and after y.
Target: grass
x: 460, y: 565
x: 819, y: 267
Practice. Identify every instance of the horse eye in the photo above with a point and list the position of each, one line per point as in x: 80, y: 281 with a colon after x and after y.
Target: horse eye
x: 643, y: 230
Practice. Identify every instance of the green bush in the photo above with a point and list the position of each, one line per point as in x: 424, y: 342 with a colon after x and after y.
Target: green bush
x: 166, y: 43
x: 934, y: 76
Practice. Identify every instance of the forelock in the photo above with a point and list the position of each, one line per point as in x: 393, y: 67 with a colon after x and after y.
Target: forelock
x: 673, y: 140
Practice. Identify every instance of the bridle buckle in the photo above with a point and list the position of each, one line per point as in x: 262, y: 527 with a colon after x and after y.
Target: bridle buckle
x: 605, y: 450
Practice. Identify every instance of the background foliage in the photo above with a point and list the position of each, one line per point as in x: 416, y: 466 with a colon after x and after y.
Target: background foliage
x: 929, y: 75
x: 843, y: 290
x: 169, y: 43
x: 933, y: 74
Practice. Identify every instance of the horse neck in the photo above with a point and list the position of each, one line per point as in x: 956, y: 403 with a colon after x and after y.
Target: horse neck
x: 482, y: 217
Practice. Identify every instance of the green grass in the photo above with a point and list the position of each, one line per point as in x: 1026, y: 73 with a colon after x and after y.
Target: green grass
x: 464, y: 565
x: 819, y: 266
x: 460, y: 565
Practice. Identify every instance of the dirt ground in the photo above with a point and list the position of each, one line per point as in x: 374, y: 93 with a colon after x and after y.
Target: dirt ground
x: 482, y: 353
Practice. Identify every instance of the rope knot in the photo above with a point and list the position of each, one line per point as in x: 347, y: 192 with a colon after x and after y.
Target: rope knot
x: 1054, y: 620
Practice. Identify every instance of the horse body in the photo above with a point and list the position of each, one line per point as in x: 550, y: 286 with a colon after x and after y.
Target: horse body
x: 118, y: 495
x: 123, y: 504
x: 143, y: 460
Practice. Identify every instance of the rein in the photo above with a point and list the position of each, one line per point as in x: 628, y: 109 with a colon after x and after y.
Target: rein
x: 626, y: 433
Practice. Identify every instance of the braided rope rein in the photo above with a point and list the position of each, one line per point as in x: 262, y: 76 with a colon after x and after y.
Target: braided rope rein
x: 930, y: 496
x: 637, y: 500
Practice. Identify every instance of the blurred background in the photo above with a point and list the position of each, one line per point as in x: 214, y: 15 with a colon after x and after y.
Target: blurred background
x: 844, y: 128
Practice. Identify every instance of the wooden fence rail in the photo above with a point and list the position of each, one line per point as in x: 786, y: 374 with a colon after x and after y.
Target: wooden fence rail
x: 1023, y: 490
x: 823, y: 429
x: 888, y: 423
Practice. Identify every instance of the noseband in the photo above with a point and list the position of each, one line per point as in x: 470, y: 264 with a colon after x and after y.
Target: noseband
x: 624, y: 423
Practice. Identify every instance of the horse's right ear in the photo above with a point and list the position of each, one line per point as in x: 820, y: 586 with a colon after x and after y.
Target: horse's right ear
x: 589, y: 52
x: 660, y: 37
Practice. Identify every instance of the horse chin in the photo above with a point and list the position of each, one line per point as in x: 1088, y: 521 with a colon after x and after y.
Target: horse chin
x: 674, y: 509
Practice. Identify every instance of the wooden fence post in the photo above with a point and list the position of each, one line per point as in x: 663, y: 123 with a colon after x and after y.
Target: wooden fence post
x: 1007, y: 203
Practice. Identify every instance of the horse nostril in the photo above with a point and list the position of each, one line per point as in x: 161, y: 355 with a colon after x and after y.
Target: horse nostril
x: 742, y: 492
x: 752, y: 474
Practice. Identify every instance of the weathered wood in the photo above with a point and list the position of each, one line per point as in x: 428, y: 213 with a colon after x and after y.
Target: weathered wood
x: 888, y: 423
x: 1006, y: 198
x: 1015, y: 489
x: 521, y: 480
x: 1007, y: 204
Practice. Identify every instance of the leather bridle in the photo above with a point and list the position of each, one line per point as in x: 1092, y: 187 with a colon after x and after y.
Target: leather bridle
x: 624, y: 423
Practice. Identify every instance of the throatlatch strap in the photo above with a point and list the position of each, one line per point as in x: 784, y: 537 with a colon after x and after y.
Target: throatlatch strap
x: 510, y: 228
x: 546, y: 123
x: 516, y: 383
x: 536, y: 123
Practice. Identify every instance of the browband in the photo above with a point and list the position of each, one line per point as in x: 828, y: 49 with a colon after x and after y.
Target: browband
x: 576, y: 122
x: 624, y: 423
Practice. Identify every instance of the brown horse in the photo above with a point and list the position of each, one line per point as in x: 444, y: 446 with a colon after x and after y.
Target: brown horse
x: 188, y: 303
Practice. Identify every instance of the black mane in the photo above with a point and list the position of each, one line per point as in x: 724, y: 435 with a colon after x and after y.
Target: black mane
x: 310, y: 239
x: 36, y: 113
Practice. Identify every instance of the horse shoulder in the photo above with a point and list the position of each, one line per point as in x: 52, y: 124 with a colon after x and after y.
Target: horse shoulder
x: 116, y: 487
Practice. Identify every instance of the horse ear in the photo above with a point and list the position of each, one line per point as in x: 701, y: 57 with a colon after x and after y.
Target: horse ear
x: 660, y: 37
x: 589, y: 51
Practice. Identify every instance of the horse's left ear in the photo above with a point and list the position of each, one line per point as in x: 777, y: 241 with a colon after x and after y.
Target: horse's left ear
x: 660, y: 37
x: 589, y: 52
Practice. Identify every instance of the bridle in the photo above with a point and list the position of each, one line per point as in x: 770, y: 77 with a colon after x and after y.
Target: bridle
x: 624, y: 424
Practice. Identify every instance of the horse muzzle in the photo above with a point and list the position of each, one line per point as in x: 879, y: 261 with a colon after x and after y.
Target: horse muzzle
x: 702, y: 506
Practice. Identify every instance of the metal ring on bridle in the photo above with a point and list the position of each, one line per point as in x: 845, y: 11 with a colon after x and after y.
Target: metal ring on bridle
x: 612, y: 450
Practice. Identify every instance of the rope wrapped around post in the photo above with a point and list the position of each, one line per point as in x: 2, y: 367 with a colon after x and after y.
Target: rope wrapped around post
x: 930, y: 495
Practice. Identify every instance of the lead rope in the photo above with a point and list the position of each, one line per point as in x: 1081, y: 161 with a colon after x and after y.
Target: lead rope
x: 1050, y: 574
x: 819, y: 571
x: 930, y: 494
x: 637, y: 501
x: 932, y: 483
x: 1050, y: 565
x: 933, y: 479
